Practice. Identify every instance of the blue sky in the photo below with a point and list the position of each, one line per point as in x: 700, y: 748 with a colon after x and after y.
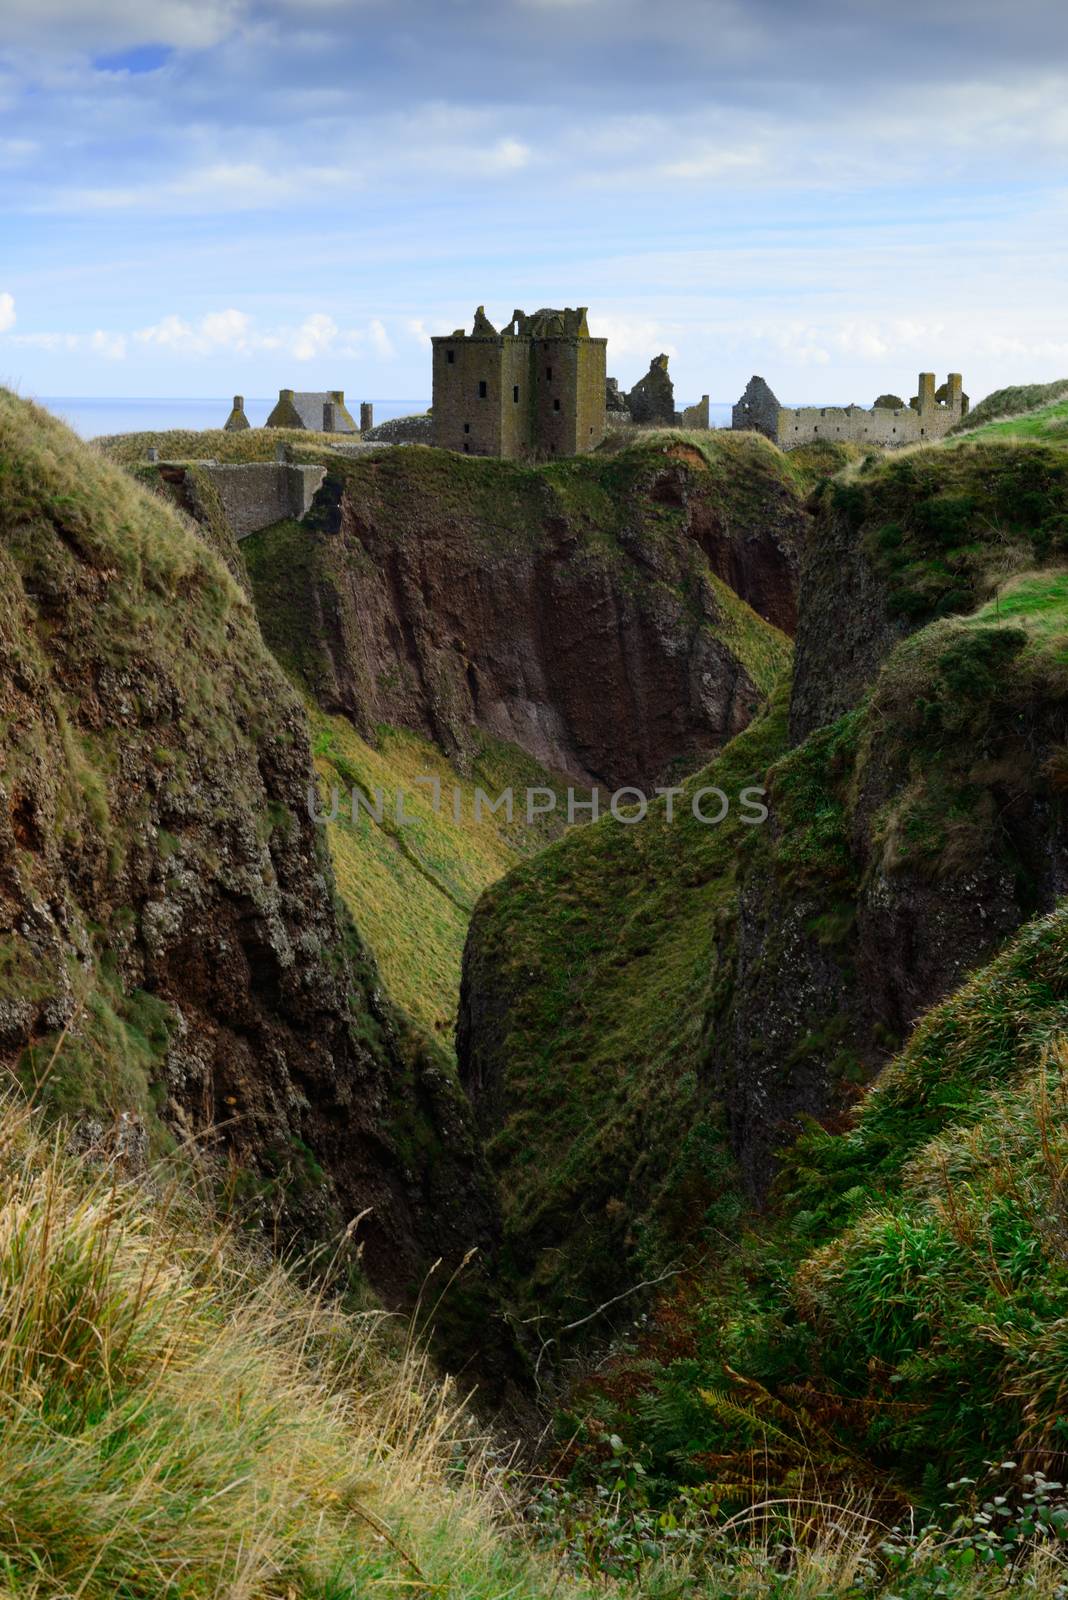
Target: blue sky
x: 203, y: 196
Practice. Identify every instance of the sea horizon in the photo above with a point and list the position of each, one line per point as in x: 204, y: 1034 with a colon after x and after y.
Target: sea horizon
x: 95, y: 416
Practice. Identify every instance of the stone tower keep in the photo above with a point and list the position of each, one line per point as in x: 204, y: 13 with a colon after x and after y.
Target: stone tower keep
x: 536, y: 387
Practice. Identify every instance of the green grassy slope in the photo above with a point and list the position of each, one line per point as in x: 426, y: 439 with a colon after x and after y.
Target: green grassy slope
x: 179, y: 1416
x: 601, y: 958
x: 412, y: 890
x: 900, y: 1320
x: 605, y: 1020
x: 216, y: 444
x: 1016, y: 405
x: 413, y: 885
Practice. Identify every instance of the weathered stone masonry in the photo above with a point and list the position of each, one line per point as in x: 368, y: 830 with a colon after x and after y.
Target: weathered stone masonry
x: 536, y: 388
x: 930, y: 414
x: 255, y: 494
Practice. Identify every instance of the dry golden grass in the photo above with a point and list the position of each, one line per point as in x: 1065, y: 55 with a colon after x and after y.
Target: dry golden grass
x: 179, y: 1417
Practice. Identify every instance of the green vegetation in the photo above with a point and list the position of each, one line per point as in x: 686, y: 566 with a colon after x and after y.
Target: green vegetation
x: 1017, y: 403
x: 216, y: 444
x: 610, y: 958
x: 900, y: 1319
x: 90, y: 570
x: 180, y: 1417
x: 943, y: 526
x: 602, y: 957
x: 412, y: 887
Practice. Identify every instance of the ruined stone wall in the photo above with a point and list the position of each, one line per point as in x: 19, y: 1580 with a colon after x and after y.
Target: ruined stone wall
x: 652, y: 400
x: 569, y: 389
x: 256, y: 494
x: 884, y: 426
x: 758, y: 409
x: 509, y: 395
x: 465, y: 417
x: 888, y: 429
x: 695, y: 416
x: 592, y: 364
x: 517, y: 396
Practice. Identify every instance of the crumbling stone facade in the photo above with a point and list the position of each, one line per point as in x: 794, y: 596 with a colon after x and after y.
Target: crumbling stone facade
x: 321, y: 412
x: 695, y: 416
x: 930, y: 414
x: 652, y: 400
x: 254, y: 494
x: 535, y: 388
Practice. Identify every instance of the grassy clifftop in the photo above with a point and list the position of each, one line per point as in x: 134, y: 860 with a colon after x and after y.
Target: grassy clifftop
x: 180, y: 1416
x: 1021, y: 411
x: 216, y: 444
x: 165, y: 899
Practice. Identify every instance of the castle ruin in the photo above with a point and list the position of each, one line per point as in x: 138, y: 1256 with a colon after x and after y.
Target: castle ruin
x: 930, y: 414
x: 535, y: 388
x: 323, y: 411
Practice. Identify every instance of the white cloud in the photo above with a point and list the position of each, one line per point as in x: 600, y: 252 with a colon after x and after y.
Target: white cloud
x: 315, y: 335
x: 101, y: 25
x: 711, y: 164
x: 7, y: 312
x: 631, y: 339
x: 508, y: 155
x: 380, y: 340
x: 112, y: 346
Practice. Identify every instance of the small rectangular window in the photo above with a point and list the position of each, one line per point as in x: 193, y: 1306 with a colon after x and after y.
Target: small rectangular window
x: 549, y: 373
x: 556, y: 405
x: 450, y: 356
x: 467, y: 427
x: 467, y: 447
x: 482, y: 390
x: 515, y: 393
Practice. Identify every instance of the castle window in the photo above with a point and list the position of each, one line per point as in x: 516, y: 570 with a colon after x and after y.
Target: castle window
x: 467, y: 447
x: 556, y: 405
x: 482, y: 389
x: 549, y: 373
x: 450, y: 356
x: 515, y: 393
x: 467, y: 427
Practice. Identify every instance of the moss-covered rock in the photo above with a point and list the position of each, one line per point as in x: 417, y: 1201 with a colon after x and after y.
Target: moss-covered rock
x: 171, y: 944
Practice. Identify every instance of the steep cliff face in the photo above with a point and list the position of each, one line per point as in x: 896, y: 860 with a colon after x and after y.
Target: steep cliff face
x: 166, y: 903
x: 910, y: 539
x: 907, y: 840
x: 915, y: 820
x: 616, y: 617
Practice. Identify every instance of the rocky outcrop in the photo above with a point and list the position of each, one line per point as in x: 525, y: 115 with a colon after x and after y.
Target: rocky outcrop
x: 908, y: 540
x: 580, y: 613
x: 916, y: 820
x: 170, y: 943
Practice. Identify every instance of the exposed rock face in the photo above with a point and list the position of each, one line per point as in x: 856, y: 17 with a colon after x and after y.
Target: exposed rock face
x: 164, y: 894
x: 917, y: 819
x: 830, y: 976
x: 575, y: 615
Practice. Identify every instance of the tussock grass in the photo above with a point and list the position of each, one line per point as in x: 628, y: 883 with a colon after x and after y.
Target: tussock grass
x: 1013, y: 404
x: 216, y: 444
x: 178, y: 1417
